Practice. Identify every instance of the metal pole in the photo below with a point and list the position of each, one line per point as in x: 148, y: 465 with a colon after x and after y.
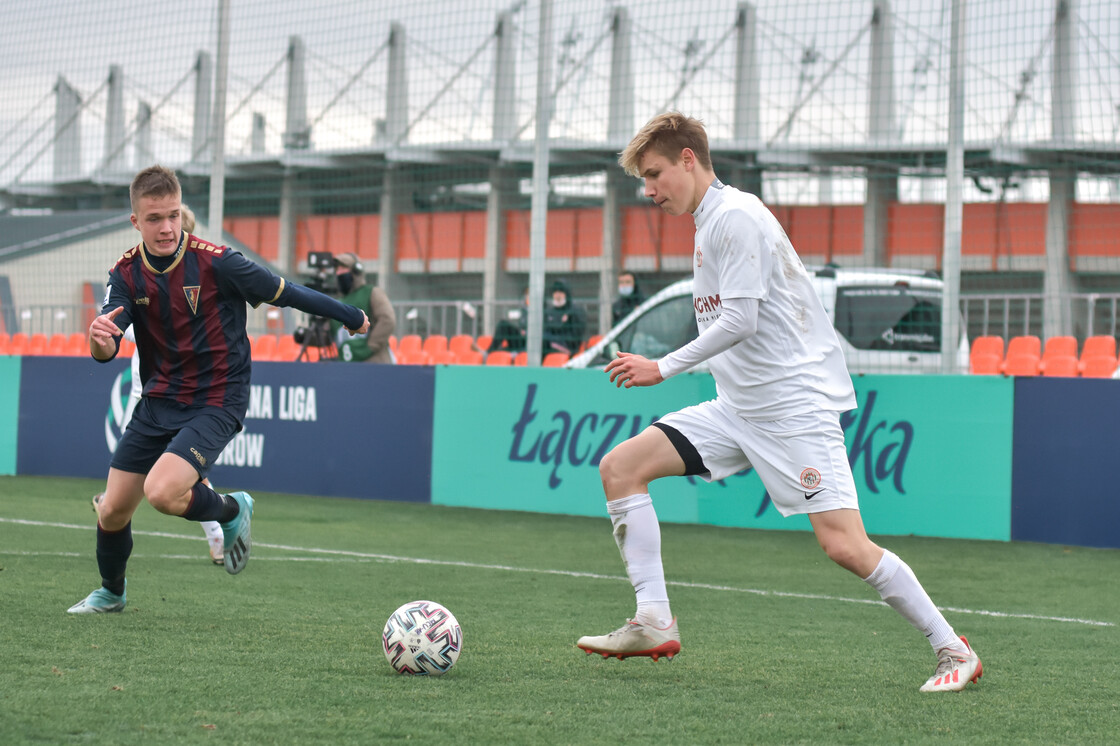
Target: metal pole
x: 954, y: 177
x: 538, y: 223
x: 218, y: 128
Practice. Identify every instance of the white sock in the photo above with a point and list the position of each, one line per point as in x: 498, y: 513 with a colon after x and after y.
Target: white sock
x: 638, y: 535
x: 212, y: 528
x: 899, y: 587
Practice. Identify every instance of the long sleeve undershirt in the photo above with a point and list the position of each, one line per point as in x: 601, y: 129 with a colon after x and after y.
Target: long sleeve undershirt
x: 738, y: 320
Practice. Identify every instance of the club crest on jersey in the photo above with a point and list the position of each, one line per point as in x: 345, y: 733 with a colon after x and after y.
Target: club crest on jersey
x: 810, y: 478
x: 191, y: 291
x: 699, y: 257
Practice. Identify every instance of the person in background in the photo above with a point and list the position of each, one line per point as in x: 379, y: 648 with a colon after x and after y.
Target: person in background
x: 630, y: 296
x: 212, y: 529
x: 510, y: 334
x: 564, y: 322
x: 373, y: 346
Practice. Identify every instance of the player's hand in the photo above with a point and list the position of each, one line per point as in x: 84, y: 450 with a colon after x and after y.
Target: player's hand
x: 363, y: 329
x: 633, y: 370
x: 104, y: 329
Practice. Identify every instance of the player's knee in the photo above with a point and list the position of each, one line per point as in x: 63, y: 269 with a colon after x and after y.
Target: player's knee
x: 611, y: 471
x: 162, y: 496
x: 841, y: 551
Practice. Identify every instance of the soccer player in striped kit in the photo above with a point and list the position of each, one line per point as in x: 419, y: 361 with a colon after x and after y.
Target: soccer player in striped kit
x: 781, y: 384
x: 185, y: 299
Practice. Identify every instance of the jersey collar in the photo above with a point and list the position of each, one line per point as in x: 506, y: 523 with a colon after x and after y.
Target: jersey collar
x: 711, y: 196
x: 176, y: 257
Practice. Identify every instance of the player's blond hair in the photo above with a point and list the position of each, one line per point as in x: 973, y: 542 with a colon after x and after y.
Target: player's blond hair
x: 154, y: 181
x: 188, y: 219
x: 667, y: 135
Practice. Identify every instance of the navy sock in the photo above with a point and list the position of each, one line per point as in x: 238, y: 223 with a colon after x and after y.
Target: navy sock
x: 113, y: 550
x: 208, y: 505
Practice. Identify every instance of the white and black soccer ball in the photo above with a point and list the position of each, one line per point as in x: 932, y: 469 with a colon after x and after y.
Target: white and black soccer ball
x: 422, y: 638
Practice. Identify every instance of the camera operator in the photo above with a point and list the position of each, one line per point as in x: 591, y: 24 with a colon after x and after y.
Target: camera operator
x: 373, y: 346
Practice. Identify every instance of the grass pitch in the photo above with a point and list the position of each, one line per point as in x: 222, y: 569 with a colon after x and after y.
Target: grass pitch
x: 780, y: 646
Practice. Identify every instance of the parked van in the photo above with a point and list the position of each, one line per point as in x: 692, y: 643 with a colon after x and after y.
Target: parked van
x: 888, y: 321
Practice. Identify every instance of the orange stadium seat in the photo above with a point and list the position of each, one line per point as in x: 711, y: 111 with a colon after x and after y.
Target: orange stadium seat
x: 409, y: 344
x: 499, y: 357
x: 77, y: 345
x: 264, y: 349
x: 985, y: 364
x: 126, y: 348
x: 56, y: 345
x: 17, y: 345
x: 555, y: 359
x: 521, y: 358
x: 435, y: 343
x: 37, y: 344
x: 1099, y: 345
x: 442, y: 357
x: 5, y: 342
x: 483, y: 341
x: 287, y: 348
x: 1063, y: 366
x: 1023, y: 356
x: 461, y: 343
x: 468, y: 357
x: 1097, y: 366
x: 409, y: 356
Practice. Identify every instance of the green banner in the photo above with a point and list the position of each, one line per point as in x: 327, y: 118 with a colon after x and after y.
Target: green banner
x: 9, y: 413
x: 931, y: 455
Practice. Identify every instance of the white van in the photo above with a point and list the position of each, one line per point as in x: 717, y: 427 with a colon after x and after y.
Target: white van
x: 889, y: 321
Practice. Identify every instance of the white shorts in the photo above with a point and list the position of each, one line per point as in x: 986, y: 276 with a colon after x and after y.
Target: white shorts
x: 801, y: 460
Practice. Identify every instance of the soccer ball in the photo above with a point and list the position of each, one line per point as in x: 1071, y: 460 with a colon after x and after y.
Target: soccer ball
x: 422, y: 638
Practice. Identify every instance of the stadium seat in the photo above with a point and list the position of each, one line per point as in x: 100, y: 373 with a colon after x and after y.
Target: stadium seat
x: 126, y: 348
x: 461, y: 343
x: 17, y: 345
x: 499, y: 357
x: 287, y: 348
x: 988, y: 345
x: 441, y: 357
x: 77, y: 345
x: 37, y: 344
x: 5, y: 342
x: 1059, y: 357
x: 56, y: 345
x: 483, y: 341
x: 521, y: 358
x: 1063, y: 366
x: 409, y: 356
x: 1097, y: 366
x: 1024, y: 354
x: 555, y: 359
x: 1099, y: 345
x: 591, y: 342
x: 409, y: 344
x: 468, y: 357
x: 986, y: 356
x: 434, y: 343
x: 985, y: 364
x: 264, y: 348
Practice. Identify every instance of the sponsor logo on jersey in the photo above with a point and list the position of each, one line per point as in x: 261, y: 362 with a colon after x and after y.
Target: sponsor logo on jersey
x: 198, y: 457
x: 699, y: 257
x: 192, y: 291
x: 141, y: 301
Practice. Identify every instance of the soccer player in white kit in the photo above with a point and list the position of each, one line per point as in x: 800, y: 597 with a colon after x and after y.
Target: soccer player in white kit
x: 781, y: 384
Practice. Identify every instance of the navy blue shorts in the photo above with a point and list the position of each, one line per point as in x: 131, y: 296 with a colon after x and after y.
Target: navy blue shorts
x: 158, y: 426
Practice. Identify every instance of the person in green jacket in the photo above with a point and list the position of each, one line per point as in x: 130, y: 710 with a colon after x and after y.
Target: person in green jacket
x: 373, y: 346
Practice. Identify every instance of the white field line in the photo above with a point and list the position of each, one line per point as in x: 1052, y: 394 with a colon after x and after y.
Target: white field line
x: 343, y: 555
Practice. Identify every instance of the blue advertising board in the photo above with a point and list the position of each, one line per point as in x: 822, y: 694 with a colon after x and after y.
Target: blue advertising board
x: 331, y: 429
x: 1066, y: 434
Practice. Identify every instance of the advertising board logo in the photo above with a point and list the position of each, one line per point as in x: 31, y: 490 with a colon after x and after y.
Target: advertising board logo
x: 121, y: 405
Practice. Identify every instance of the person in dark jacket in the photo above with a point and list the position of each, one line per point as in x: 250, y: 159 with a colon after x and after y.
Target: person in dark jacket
x: 630, y: 296
x: 564, y: 322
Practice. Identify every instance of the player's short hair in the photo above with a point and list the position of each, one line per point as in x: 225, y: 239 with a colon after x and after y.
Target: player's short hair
x: 667, y: 134
x: 154, y: 181
x: 188, y: 219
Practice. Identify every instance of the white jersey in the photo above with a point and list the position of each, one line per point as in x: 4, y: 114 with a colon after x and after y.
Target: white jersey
x: 793, y: 364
